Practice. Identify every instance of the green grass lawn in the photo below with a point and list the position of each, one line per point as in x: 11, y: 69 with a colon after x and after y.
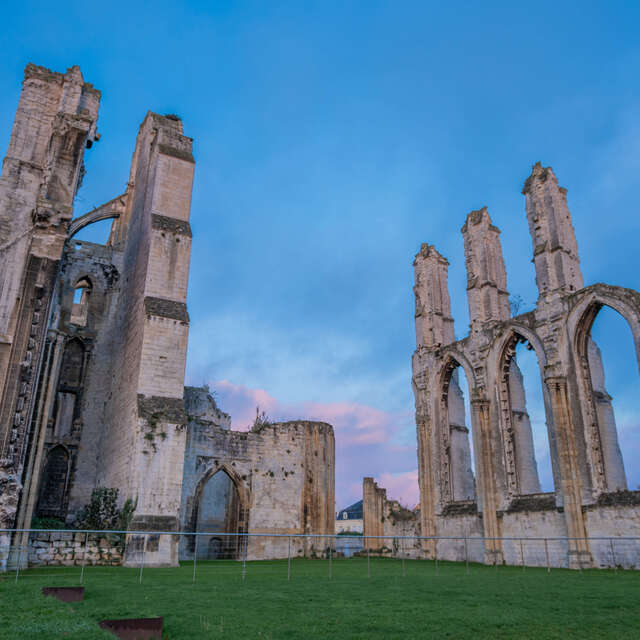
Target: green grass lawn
x: 487, y: 603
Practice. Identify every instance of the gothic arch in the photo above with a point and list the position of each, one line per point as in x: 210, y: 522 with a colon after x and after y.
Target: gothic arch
x: 52, y: 496
x: 516, y: 328
x: 521, y: 476
x: 583, y: 314
x: 604, y: 468
x: 450, y: 353
x: 451, y: 361
x: 243, y: 501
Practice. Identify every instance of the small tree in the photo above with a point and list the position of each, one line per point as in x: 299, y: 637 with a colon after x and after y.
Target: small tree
x: 102, y: 512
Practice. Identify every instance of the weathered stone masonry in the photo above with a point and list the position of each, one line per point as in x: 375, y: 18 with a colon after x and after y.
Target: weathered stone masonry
x: 282, y: 473
x: 93, y: 338
x: 591, y: 497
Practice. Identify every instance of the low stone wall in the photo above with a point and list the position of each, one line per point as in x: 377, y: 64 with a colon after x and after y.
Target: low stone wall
x: 66, y: 548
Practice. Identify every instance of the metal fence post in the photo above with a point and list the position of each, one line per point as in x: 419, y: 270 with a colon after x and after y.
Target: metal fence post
x: 330, y: 544
x: 522, y: 555
x: 289, y: 560
x: 144, y: 548
x: 435, y: 548
x: 84, y: 556
x: 579, y: 557
x: 244, y: 559
x: 546, y: 553
x: 613, y: 556
x: 195, y: 556
x: 19, y: 561
x: 466, y: 555
x: 368, y: 560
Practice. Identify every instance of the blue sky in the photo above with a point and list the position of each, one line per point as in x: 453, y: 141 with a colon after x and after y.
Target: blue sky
x: 331, y: 139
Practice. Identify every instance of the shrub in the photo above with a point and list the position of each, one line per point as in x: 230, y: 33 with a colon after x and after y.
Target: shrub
x: 49, y: 523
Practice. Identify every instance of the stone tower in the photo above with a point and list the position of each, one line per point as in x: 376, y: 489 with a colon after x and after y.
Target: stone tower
x: 54, y: 124
x: 555, y: 250
x: 486, y: 274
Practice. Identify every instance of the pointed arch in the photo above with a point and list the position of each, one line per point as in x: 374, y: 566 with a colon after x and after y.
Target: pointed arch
x: 52, y: 496
x: 603, y: 453
x: 80, y: 303
x: 457, y: 481
x: 237, y: 509
x: 520, y: 463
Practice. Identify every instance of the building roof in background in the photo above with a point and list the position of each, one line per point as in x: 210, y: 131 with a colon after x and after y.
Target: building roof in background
x: 354, y: 512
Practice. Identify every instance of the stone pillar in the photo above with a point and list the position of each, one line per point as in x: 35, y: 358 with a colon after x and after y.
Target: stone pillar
x: 486, y: 274
x: 434, y: 328
x: 579, y: 554
x: 460, y: 449
x: 527, y: 468
x: 373, y: 501
x: 487, y: 498
x: 555, y: 250
x: 143, y: 452
x: 611, y: 455
x: 434, y: 324
x: 426, y: 481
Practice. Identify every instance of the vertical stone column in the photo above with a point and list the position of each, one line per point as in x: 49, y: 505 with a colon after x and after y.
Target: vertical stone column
x: 527, y: 469
x: 426, y: 481
x: 488, y: 498
x: 434, y: 324
x: 373, y: 501
x: 579, y: 554
x: 555, y: 250
x: 486, y: 274
x: 434, y: 328
x: 31, y: 486
x: 611, y: 454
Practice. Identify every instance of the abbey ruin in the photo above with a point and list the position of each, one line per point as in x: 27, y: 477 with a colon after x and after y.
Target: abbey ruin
x: 503, y: 500
x: 93, y: 342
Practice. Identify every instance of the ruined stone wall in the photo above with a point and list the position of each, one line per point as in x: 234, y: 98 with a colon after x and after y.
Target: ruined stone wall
x: 79, y: 395
x: 389, y: 522
x: 54, y: 123
x: 589, y: 497
x: 118, y: 421
x: 283, y: 473
x: 68, y: 549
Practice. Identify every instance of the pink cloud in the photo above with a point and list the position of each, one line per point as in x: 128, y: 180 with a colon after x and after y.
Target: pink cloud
x: 402, y: 487
x: 365, y: 439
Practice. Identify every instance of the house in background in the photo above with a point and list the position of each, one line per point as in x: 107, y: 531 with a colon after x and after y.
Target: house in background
x: 349, y: 520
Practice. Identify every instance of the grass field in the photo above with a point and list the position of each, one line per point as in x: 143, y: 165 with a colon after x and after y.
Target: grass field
x: 488, y: 603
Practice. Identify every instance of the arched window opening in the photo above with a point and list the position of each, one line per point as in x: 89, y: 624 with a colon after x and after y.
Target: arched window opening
x: 53, y: 487
x: 80, y: 307
x: 458, y: 437
x: 533, y: 452
x: 524, y: 416
x: 218, y: 512
x: 613, y: 371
